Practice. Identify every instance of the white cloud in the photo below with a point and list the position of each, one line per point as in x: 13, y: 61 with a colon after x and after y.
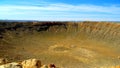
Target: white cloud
x: 60, y: 11
x: 64, y: 7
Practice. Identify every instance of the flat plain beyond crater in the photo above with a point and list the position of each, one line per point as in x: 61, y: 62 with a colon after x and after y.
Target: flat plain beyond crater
x: 66, y: 44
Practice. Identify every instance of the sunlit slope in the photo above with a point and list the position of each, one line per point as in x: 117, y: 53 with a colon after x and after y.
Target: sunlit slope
x: 67, y: 44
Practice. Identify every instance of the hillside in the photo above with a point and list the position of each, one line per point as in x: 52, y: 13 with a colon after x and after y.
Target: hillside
x: 66, y: 44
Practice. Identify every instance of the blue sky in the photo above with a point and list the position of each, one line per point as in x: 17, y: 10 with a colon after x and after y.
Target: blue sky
x: 60, y: 10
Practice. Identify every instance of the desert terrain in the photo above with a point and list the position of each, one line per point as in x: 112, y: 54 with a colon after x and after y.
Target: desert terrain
x: 66, y: 44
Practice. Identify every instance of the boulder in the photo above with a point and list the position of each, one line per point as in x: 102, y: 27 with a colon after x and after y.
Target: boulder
x: 51, y: 66
x: 31, y: 63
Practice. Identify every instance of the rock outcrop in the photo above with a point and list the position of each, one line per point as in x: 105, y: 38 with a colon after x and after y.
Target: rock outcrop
x: 30, y: 63
x: 11, y: 65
